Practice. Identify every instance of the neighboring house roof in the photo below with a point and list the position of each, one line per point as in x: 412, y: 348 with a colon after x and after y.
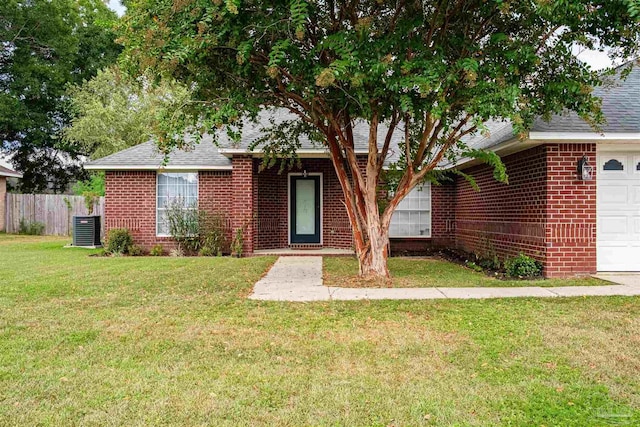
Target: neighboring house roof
x: 6, y: 172
x: 203, y: 156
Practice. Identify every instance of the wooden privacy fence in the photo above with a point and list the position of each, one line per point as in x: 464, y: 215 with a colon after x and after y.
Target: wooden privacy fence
x: 55, y: 211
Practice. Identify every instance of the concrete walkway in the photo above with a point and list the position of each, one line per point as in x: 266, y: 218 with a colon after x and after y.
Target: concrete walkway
x: 299, y: 278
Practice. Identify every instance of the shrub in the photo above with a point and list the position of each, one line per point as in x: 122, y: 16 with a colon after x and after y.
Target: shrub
x: 176, y: 252
x: 212, y: 232
x: 32, y: 228
x: 157, y: 250
x: 136, y: 250
x: 237, y: 245
x: 522, y: 266
x: 473, y: 266
x: 183, y: 226
x: 119, y: 241
x: 205, y: 251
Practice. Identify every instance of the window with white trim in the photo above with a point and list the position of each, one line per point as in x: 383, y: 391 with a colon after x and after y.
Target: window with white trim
x: 174, y: 188
x: 412, y: 217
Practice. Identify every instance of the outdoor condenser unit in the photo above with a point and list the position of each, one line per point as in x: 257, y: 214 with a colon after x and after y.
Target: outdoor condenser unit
x: 86, y: 230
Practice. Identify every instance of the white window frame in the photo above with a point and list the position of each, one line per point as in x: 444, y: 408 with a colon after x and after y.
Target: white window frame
x: 425, y: 187
x: 164, y: 172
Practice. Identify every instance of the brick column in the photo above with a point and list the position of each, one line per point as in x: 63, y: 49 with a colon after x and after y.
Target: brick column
x: 3, y: 200
x: 242, y: 181
x: 570, y: 232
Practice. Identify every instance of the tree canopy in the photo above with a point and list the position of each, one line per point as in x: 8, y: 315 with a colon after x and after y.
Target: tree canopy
x: 429, y: 71
x: 113, y: 111
x: 45, y: 46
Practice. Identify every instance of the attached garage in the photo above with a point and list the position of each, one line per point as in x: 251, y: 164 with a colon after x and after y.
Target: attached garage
x: 618, y: 211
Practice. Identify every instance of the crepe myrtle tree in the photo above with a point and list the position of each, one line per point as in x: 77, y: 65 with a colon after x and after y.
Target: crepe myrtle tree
x: 425, y: 72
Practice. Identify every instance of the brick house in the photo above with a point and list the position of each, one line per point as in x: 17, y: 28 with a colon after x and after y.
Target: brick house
x: 574, y: 222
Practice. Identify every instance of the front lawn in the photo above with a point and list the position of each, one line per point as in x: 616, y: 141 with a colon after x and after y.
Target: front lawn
x: 165, y: 341
x: 431, y: 272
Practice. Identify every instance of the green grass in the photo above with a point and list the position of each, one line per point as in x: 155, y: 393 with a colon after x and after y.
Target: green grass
x: 431, y: 272
x: 165, y: 341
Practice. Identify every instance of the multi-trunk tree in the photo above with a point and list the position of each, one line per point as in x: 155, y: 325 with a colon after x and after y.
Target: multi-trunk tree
x: 425, y: 72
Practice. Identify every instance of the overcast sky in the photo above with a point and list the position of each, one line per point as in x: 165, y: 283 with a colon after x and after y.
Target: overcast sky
x: 597, y: 60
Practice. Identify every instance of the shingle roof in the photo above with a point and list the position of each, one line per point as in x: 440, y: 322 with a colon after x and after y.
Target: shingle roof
x: 253, y: 130
x: 620, y: 106
x: 9, y: 173
x: 204, y: 155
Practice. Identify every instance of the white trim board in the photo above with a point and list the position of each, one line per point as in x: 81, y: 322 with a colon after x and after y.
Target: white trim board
x: 175, y: 168
x: 584, y: 136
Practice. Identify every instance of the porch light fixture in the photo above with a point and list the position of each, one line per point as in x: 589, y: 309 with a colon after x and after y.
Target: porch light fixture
x: 585, y: 170
x: 304, y: 173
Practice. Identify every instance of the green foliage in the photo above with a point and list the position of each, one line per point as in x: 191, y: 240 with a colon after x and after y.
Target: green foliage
x: 439, y: 70
x: 183, y: 225
x: 112, y: 111
x: 136, y: 250
x: 47, y: 45
x: 91, y: 189
x: 156, y: 250
x: 212, y: 233
x: 205, y: 251
x: 522, y: 266
x: 32, y: 228
x: 119, y: 241
x: 237, y: 244
x: 473, y: 266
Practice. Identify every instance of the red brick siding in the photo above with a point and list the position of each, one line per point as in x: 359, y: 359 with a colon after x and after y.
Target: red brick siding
x: 130, y: 202
x: 272, y: 203
x: 544, y: 211
x: 242, y: 186
x: 504, y: 219
x: 571, y: 212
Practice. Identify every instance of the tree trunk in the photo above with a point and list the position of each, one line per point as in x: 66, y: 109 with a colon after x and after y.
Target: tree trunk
x: 373, y: 262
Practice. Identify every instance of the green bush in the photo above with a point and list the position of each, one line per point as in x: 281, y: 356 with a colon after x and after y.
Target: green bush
x: 212, y: 232
x: 205, y: 251
x: 34, y: 228
x: 522, y: 266
x: 119, y: 241
x: 184, y: 226
x: 136, y: 250
x: 157, y: 250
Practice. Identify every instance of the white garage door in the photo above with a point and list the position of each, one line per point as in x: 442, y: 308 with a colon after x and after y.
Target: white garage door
x: 618, y: 238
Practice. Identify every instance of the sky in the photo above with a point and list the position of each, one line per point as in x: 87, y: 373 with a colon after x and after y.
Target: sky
x: 597, y: 60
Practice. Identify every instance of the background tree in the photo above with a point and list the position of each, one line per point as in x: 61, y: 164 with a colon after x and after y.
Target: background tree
x: 112, y: 111
x: 44, y: 46
x: 430, y: 71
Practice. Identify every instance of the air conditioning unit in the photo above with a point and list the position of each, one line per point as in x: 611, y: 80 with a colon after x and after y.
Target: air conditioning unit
x: 86, y: 231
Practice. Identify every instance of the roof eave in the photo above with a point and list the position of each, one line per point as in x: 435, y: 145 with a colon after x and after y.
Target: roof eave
x: 99, y: 167
x: 583, y: 136
x: 10, y: 175
x: 304, y: 153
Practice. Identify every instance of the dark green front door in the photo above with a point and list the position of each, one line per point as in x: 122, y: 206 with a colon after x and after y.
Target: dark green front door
x: 305, y: 209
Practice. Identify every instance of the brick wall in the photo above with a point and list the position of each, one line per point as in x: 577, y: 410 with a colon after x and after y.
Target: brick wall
x: 130, y: 202
x: 504, y: 219
x: 272, y: 203
x: 242, y: 187
x: 571, y: 212
x: 544, y: 211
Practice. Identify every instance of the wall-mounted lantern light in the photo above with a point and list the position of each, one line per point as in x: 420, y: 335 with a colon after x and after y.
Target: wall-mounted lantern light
x: 585, y: 170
